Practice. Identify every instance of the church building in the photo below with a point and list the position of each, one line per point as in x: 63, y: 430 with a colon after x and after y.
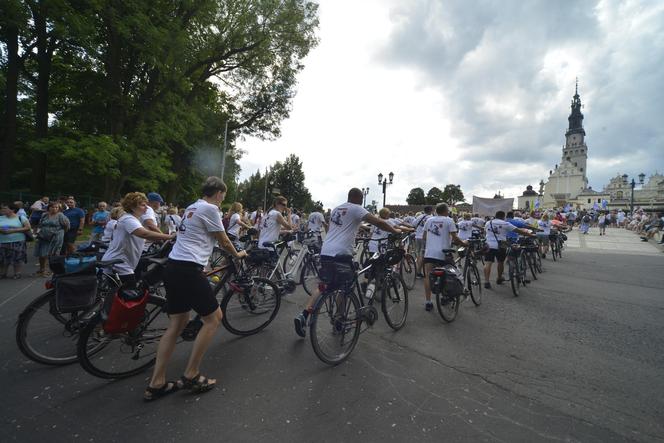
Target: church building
x: 568, y: 179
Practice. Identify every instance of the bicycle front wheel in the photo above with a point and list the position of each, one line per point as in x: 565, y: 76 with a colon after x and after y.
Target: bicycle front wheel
x: 474, y: 284
x: 394, y: 301
x: 335, y: 326
x: 530, y: 258
x: 114, y: 356
x: 248, y: 310
x: 408, y: 270
x: 46, y: 336
x: 514, y: 275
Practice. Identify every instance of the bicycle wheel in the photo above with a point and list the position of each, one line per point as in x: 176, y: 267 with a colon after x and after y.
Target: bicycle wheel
x: 309, y: 276
x: 474, y: 283
x: 394, y: 301
x: 538, y: 262
x: 113, y: 356
x: 335, y: 326
x: 249, y: 309
x: 408, y: 270
x: 448, y: 306
x: 530, y: 259
x: 291, y: 258
x: 514, y: 275
x: 554, y: 246
x: 559, y: 249
x: 46, y: 336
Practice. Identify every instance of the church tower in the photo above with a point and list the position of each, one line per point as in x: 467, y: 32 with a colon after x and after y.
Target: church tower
x: 569, y: 179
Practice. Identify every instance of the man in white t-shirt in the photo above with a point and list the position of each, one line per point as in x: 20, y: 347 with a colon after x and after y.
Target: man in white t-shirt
x: 295, y: 220
x: 496, y: 232
x: 316, y: 221
x: 149, y: 219
x: 337, y: 250
x: 418, y: 224
x: 439, y: 234
x: 465, y: 227
x: 188, y: 288
x: 273, y: 221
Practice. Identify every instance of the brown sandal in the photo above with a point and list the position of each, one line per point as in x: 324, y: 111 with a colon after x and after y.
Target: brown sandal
x: 197, y: 384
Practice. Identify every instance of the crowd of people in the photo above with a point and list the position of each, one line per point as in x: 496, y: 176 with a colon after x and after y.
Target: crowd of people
x: 130, y: 226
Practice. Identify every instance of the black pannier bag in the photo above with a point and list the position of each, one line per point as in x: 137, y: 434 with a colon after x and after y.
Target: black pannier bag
x: 453, y: 282
x: 260, y: 256
x: 76, y: 292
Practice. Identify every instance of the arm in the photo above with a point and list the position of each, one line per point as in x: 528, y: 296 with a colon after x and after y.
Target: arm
x: 380, y: 223
x: 524, y: 231
x: 81, y: 224
x: 150, y: 225
x: 283, y: 222
x: 151, y: 235
x: 456, y: 240
x: 227, y: 245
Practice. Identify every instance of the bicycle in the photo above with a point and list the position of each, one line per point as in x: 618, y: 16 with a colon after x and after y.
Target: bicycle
x: 336, y: 321
x: 447, y: 285
x: 517, y: 266
x: 408, y: 265
x: 471, y: 274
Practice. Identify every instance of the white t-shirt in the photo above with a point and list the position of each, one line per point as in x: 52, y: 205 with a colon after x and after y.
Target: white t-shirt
x: 149, y: 215
x: 601, y: 220
x: 438, y: 229
x: 173, y: 222
x: 409, y: 220
x: 108, y: 230
x: 478, y: 221
x: 270, y: 228
x: 124, y: 246
x: 465, y: 229
x: 545, y: 226
x: 345, y: 220
x: 252, y: 216
x: 316, y: 221
x: 419, y: 224
x: 378, y: 236
x: 295, y: 221
x: 234, y: 225
x: 497, y: 229
x: 196, y: 235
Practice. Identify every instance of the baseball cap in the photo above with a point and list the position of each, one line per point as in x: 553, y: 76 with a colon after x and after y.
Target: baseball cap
x: 155, y: 197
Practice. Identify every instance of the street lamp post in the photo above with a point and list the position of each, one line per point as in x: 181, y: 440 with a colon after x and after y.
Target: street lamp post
x: 632, y: 184
x: 365, y: 191
x: 384, y: 183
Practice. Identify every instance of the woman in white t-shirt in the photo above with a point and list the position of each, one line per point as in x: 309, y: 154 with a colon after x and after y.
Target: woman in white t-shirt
x: 172, y: 220
x: 116, y: 212
x: 129, y: 237
x: 236, y: 224
x: 273, y: 221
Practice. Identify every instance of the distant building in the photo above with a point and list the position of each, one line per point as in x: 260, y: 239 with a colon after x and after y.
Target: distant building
x: 567, y: 180
x: 527, y: 200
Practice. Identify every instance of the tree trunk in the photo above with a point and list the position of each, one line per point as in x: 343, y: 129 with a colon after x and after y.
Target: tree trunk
x: 45, y: 48
x: 8, y: 138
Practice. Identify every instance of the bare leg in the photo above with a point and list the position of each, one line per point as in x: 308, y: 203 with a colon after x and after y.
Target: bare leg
x: 501, y: 268
x: 42, y: 264
x: 427, y: 284
x: 166, y: 346
x: 203, y: 339
x: 487, y: 270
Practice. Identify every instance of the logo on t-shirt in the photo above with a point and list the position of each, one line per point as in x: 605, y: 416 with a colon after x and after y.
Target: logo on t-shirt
x: 435, y: 229
x: 336, y: 216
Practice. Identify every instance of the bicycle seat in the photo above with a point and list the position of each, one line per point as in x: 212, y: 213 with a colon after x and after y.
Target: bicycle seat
x: 108, y: 263
x: 449, y: 251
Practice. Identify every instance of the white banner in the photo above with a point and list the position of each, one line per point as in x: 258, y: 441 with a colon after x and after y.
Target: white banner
x: 489, y: 206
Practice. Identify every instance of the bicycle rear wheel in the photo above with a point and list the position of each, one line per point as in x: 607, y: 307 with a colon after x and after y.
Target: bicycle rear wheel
x: 554, y: 246
x: 538, y: 262
x: 408, y: 270
x: 335, y: 326
x: 309, y: 276
x: 448, y: 306
x: 514, y: 275
x: 46, y: 336
x: 530, y: 259
x: 474, y: 283
x: 113, y: 356
x: 248, y: 310
x: 394, y: 301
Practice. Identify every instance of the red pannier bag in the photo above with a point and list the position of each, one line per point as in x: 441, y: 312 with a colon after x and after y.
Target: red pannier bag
x: 126, y: 311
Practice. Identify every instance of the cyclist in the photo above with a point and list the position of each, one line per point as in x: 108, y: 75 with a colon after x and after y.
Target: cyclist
x: 439, y: 233
x: 187, y: 289
x: 496, y: 231
x: 273, y: 221
x: 128, y: 238
x: 419, y: 233
x: 465, y: 226
x: 235, y: 224
x: 345, y: 221
x: 545, y: 226
x: 378, y: 235
x: 316, y: 221
x: 149, y: 218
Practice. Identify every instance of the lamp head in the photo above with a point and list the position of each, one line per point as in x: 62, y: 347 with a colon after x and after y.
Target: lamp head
x: 380, y: 178
x: 391, y: 175
x: 642, y: 177
x: 624, y: 177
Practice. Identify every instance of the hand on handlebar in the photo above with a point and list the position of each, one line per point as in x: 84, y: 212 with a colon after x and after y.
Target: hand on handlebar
x: 241, y: 254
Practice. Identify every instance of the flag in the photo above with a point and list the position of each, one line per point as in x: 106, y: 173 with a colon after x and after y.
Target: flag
x: 567, y: 207
x: 604, y: 204
x: 537, y: 204
x: 595, y: 206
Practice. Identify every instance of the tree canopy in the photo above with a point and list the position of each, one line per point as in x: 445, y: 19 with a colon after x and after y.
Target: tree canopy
x: 452, y: 194
x: 107, y: 97
x: 416, y: 197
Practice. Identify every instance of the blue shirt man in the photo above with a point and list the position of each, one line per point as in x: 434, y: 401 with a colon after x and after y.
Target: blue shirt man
x: 519, y: 223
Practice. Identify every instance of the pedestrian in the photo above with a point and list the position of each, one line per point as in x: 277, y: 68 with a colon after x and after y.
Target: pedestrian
x: 585, y: 224
x: 98, y: 221
x: 13, y: 249
x: 188, y: 288
x: 601, y: 223
x: 38, y: 208
x: 76, y: 218
x: 20, y: 211
x: 116, y: 213
x: 50, y: 237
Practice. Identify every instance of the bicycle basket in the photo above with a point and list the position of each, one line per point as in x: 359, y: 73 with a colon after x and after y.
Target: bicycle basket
x: 75, y: 292
x: 126, y: 311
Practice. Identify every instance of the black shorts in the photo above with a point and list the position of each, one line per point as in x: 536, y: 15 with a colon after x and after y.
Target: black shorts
x: 187, y: 288
x: 493, y: 254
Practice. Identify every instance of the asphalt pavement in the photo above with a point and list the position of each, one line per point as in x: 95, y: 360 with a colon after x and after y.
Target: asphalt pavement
x: 579, y: 356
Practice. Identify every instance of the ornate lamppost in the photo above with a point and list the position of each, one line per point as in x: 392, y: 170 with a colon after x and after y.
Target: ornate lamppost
x: 384, y: 183
x: 632, y: 184
x: 365, y: 191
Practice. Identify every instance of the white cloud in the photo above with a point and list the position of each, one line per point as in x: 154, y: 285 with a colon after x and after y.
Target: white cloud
x: 441, y: 92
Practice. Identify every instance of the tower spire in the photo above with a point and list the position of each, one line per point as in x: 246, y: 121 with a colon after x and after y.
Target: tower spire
x: 576, y: 117
x: 576, y: 91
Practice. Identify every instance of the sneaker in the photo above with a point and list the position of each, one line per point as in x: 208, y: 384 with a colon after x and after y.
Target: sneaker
x: 300, y: 325
x: 428, y: 306
x: 500, y: 281
x: 487, y: 285
x: 644, y: 239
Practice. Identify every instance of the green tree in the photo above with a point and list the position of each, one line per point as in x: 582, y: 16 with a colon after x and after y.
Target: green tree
x: 416, y: 197
x: 289, y: 179
x: 452, y: 194
x: 434, y: 196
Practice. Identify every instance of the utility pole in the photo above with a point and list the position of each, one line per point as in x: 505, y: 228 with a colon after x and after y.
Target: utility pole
x: 223, y: 151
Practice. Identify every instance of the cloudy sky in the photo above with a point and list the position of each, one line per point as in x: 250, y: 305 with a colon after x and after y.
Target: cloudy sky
x: 475, y: 93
